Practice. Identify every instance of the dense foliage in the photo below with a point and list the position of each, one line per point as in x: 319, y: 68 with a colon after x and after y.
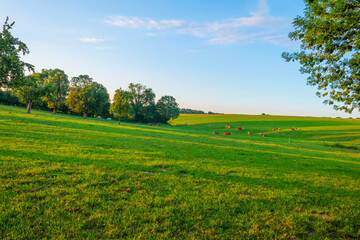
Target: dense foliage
x: 138, y: 104
x: 86, y: 96
x: 329, y: 33
x: 32, y: 90
x: 166, y: 109
x: 49, y: 89
x: 8, y: 98
x: 120, y: 106
x: 58, y: 88
x: 142, y: 101
x: 11, y: 67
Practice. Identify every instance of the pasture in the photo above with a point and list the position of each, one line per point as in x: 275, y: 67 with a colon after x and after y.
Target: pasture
x: 65, y: 177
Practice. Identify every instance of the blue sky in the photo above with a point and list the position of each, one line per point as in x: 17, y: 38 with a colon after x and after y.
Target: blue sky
x: 221, y: 56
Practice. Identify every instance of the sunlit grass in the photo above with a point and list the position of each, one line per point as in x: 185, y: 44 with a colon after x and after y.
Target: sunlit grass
x: 65, y: 177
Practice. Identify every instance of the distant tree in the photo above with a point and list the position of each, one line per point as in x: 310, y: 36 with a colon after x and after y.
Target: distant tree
x: 138, y: 104
x: 79, y: 100
x: 330, y: 50
x: 86, y: 96
x: 11, y: 67
x: 32, y: 89
x: 100, y: 98
x: 58, y: 88
x: 166, y: 109
x: 120, y: 106
x: 142, y: 100
x: 191, y: 111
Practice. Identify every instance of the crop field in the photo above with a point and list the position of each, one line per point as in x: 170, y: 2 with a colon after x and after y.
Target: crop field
x: 65, y: 177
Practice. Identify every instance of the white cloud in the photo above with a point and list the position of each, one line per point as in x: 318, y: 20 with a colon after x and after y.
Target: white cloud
x: 230, y: 38
x: 91, y: 40
x: 263, y: 8
x: 144, y: 23
x: 246, y: 29
x: 259, y: 26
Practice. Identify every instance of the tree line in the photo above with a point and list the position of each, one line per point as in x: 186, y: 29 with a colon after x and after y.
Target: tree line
x: 192, y: 111
x: 52, y: 89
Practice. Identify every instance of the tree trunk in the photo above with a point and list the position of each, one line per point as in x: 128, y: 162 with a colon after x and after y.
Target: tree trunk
x: 29, y: 107
x: 119, y: 122
x: 84, y: 115
x: 54, y: 111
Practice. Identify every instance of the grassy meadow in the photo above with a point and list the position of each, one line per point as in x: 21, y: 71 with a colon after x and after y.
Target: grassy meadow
x: 65, y: 177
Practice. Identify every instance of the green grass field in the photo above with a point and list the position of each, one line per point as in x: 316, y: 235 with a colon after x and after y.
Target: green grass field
x: 65, y: 177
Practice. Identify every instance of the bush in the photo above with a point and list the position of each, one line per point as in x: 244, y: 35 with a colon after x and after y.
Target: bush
x: 8, y: 98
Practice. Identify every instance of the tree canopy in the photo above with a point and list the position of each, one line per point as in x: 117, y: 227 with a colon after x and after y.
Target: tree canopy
x: 100, y: 99
x: 32, y: 90
x: 120, y: 106
x: 137, y: 103
x: 329, y: 33
x: 142, y: 101
x: 11, y: 67
x: 86, y: 96
x: 58, y: 87
x: 167, y: 108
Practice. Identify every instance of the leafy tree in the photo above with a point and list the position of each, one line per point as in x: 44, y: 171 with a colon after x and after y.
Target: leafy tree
x: 11, y: 67
x: 329, y: 33
x: 32, y: 90
x: 167, y: 108
x: 120, y: 106
x: 80, y: 81
x: 58, y: 87
x: 142, y: 100
x: 86, y: 96
x: 79, y: 96
x: 100, y: 98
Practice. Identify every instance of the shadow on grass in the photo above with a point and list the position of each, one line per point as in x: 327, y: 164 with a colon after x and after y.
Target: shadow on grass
x: 339, y: 145
x: 199, y: 140
x: 268, y: 182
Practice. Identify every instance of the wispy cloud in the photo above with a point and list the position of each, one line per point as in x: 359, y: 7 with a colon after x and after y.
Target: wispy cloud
x: 262, y: 9
x: 144, y: 23
x: 256, y: 27
x: 91, y: 40
x: 279, y: 40
x: 259, y: 26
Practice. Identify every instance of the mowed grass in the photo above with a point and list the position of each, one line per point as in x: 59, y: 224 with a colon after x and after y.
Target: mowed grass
x: 65, y: 177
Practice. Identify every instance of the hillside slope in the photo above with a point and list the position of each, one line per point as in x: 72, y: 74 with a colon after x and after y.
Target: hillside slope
x: 62, y: 176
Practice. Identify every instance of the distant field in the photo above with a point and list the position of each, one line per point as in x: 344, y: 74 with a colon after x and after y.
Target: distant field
x: 65, y: 177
